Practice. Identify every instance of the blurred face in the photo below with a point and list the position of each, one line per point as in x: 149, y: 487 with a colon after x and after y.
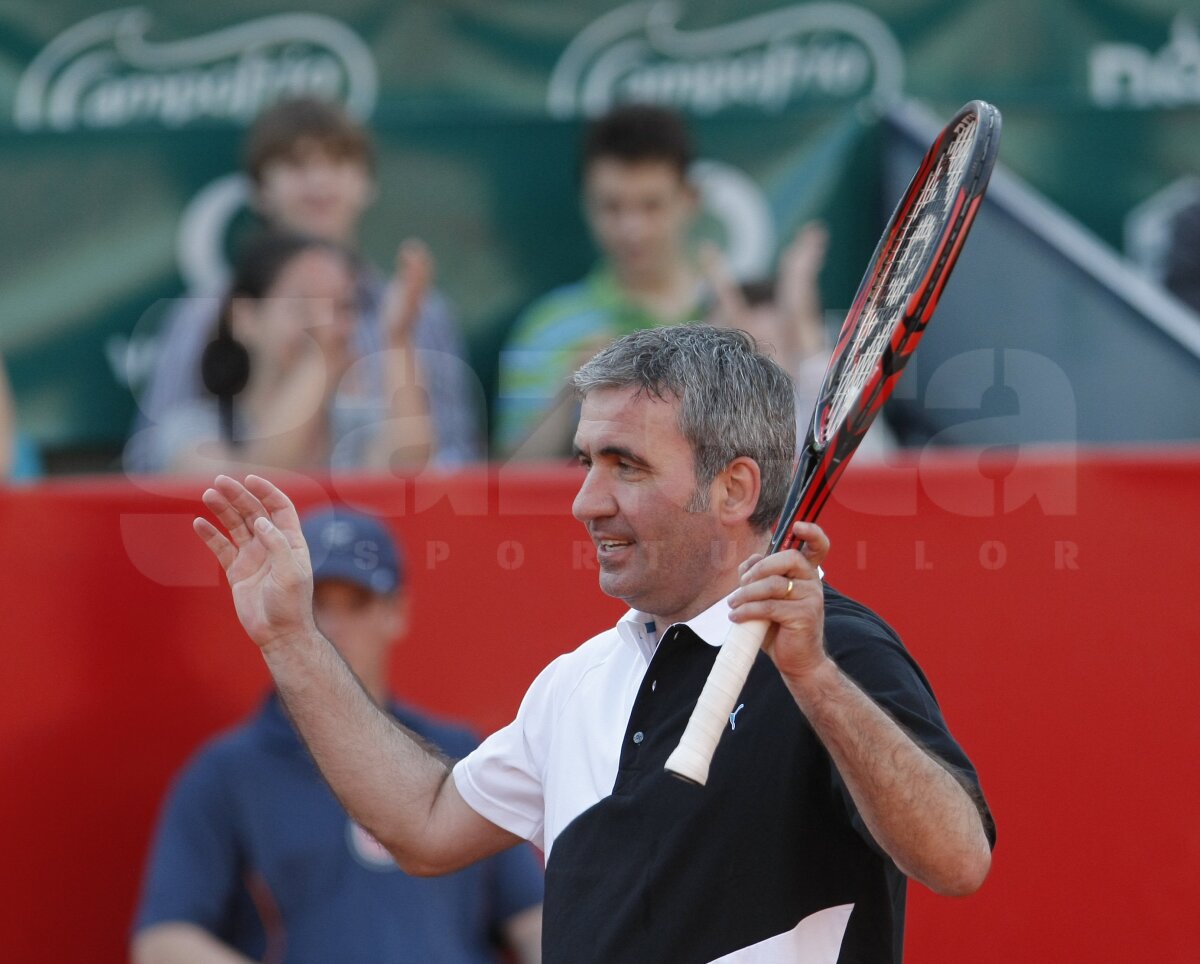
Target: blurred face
x: 312, y: 299
x: 654, y: 551
x: 315, y: 192
x: 639, y: 215
x: 361, y: 624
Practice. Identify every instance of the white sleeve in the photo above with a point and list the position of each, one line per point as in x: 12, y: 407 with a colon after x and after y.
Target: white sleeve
x: 504, y: 778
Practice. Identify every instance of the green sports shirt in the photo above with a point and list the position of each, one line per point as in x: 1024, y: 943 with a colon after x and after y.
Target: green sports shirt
x: 553, y: 337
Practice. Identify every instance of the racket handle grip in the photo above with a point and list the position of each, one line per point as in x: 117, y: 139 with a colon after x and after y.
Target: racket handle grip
x: 691, y: 759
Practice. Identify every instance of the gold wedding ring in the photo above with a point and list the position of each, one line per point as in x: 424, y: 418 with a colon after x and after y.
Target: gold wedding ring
x: 788, y: 592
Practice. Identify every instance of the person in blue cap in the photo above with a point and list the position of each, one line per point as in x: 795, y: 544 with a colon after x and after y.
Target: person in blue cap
x: 255, y: 858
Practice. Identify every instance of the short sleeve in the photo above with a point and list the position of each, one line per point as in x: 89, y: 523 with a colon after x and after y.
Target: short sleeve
x: 192, y: 871
x: 503, y: 779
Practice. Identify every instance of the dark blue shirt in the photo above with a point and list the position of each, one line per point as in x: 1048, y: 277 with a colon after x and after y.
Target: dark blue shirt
x: 253, y: 847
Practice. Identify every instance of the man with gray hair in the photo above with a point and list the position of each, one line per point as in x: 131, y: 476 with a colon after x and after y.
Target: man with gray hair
x: 837, y: 778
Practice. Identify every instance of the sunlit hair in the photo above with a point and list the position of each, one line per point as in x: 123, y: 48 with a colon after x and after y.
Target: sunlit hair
x: 733, y: 401
x: 288, y: 126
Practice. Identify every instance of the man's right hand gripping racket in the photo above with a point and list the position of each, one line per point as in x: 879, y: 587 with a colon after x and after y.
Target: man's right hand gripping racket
x: 889, y: 314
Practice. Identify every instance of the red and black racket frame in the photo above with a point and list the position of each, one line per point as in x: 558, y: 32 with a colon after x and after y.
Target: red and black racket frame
x: 818, y: 467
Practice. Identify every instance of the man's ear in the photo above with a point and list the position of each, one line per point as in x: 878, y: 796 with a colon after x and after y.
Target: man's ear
x: 738, y: 487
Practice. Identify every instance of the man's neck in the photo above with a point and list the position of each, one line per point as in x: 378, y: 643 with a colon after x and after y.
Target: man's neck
x: 720, y: 587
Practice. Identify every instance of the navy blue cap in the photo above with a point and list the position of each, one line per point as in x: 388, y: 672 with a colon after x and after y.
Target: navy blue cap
x: 352, y: 547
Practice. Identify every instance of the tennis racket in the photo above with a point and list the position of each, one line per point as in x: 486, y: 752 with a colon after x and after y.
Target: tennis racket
x: 890, y: 312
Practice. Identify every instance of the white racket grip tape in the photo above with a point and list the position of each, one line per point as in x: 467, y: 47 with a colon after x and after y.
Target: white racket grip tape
x: 691, y: 759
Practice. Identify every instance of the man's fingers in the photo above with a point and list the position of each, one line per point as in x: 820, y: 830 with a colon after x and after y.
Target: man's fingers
x: 243, y: 502
x: 276, y: 543
x: 220, y: 505
x: 775, y: 611
x: 782, y: 587
x: 220, y: 547
x: 745, y: 566
x: 279, y: 507
x: 815, y: 543
x: 795, y: 563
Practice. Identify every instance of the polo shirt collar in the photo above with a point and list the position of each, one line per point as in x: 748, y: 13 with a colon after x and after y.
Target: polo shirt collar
x: 639, y: 629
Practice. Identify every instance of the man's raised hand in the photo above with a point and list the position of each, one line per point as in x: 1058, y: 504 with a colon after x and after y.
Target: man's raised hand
x: 264, y: 557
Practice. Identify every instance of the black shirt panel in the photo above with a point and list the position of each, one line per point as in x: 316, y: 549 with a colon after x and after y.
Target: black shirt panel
x: 664, y: 871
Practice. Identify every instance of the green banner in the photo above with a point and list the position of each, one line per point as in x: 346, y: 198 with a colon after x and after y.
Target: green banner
x: 120, y: 129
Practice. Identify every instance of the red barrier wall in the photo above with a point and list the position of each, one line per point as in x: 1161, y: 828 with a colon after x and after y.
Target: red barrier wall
x: 1051, y: 601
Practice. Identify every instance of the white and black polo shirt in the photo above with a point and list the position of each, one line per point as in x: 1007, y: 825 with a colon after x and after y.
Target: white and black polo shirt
x: 768, y: 862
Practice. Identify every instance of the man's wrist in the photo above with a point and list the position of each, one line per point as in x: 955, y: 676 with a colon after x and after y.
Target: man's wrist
x: 293, y: 642
x: 815, y: 684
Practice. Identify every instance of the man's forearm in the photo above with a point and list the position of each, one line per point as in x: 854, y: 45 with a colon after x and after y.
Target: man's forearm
x: 387, y: 780
x: 914, y: 807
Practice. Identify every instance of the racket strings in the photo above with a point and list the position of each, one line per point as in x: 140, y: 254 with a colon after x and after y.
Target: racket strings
x: 902, y: 262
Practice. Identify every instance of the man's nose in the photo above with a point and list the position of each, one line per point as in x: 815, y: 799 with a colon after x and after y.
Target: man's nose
x: 592, y: 501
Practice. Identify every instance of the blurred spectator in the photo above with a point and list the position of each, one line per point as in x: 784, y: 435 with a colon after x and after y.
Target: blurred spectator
x: 639, y: 205
x: 786, y: 318
x: 19, y: 459
x: 283, y: 388
x: 312, y: 171
x: 255, y: 856
x: 1183, y: 256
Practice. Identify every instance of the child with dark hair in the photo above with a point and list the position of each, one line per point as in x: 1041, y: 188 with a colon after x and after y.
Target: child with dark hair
x: 639, y: 204
x: 311, y: 169
x: 635, y: 133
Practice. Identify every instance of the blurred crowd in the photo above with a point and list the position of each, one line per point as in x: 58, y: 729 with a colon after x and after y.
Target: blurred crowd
x: 314, y: 359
